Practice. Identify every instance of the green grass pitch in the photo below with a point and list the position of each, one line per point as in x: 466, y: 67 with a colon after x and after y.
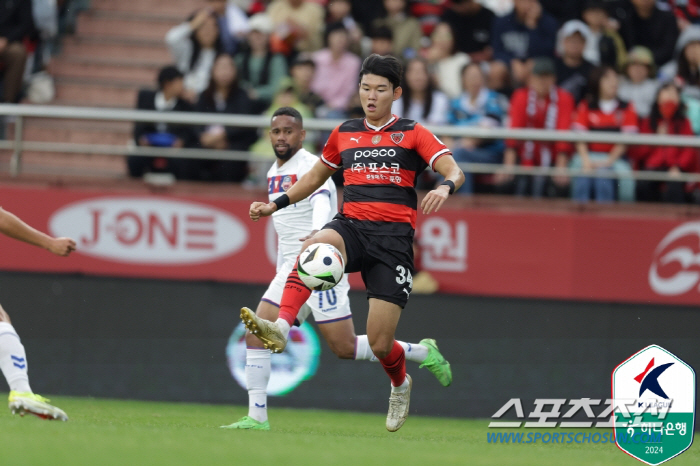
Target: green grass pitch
x: 109, y: 432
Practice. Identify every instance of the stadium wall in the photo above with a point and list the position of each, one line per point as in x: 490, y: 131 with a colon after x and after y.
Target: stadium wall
x: 540, y: 250
x: 166, y: 340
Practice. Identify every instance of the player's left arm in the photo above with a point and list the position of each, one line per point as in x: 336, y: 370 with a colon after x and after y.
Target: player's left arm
x: 12, y: 226
x: 447, y: 167
x: 438, y: 157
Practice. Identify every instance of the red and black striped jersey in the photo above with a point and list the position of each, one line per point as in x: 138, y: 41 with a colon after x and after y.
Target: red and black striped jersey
x: 381, y: 169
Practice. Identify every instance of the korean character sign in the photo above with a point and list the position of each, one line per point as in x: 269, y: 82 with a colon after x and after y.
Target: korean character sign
x: 663, y: 386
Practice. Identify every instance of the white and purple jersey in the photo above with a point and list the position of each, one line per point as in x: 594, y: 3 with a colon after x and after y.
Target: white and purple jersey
x: 295, y: 221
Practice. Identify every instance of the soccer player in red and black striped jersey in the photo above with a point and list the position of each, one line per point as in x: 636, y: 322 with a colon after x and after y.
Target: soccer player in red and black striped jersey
x: 382, y: 156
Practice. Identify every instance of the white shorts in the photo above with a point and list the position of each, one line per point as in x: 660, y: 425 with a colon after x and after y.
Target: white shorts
x: 327, y: 306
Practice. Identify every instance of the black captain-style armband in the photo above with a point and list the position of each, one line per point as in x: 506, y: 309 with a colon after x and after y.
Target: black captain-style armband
x: 282, y: 201
x: 450, y: 184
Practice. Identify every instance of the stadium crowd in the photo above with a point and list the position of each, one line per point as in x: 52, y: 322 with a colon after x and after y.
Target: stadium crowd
x: 587, y: 65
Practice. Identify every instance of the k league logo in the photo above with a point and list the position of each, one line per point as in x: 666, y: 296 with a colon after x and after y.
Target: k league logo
x: 663, y: 389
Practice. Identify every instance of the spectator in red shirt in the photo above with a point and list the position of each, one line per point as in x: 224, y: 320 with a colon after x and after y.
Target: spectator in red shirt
x: 540, y: 105
x: 687, y: 11
x: 603, y: 111
x: 667, y: 117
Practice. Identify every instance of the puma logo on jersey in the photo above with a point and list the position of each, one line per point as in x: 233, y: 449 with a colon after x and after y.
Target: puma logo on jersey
x: 357, y: 140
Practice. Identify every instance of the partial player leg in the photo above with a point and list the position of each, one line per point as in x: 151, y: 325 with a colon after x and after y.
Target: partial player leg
x: 332, y: 313
x: 425, y: 353
x: 13, y: 363
x: 13, y: 360
x: 257, y: 374
x: 294, y: 296
x: 295, y: 292
x: 381, y: 326
x: 340, y: 336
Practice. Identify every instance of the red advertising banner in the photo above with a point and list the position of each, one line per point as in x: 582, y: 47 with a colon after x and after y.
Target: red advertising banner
x: 581, y: 256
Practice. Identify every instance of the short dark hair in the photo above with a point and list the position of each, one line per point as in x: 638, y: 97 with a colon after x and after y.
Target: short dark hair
x: 167, y: 74
x: 385, y: 66
x: 288, y: 111
x: 337, y: 26
x: 304, y: 59
x: 595, y: 5
x: 382, y: 32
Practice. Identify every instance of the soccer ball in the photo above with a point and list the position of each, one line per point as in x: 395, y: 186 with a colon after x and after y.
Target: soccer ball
x: 320, y: 266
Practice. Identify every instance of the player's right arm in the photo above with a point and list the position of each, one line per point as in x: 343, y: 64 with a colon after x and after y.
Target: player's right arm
x: 327, y: 164
x: 15, y: 228
x: 307, y: 184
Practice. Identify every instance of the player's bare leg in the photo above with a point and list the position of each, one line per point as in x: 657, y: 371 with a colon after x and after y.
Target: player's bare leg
x: 381, y: 326
x: 340, y: 336
x: 274, y: 334
x: 13, y: 362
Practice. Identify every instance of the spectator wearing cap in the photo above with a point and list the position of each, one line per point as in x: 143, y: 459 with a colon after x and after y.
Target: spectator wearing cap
x: 168, y: 98
x: 543, y: 105
x: 445, y: 62
x: 302, y: 72
x: 667, y: 117
x: 652, y: 27
x: 194, y: 45
x: 471, y: 25
x: 261, y: 70
x: 525, y: 33
x: 406, y: 30
x: 686, y: 66
x: 337, y: 69
x: 604, y: 45
x: 603, y: 111
x: 298, y: 24
x: 572, y: 68
x: 685, y: 69
x: 637, y: 84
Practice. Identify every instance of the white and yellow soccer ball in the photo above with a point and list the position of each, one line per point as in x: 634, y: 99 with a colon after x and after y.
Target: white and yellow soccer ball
x: 320, y: 266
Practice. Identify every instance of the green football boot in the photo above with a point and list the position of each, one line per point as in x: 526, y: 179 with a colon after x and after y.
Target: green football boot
x: 248, y: 423
x: 436, y: 362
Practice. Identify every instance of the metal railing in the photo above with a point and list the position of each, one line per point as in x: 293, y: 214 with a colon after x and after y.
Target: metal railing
x: 20, y: 112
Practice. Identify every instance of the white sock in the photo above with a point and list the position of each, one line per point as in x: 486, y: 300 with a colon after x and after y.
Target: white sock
x: 363, y: 352
x: 257, y: 375
x: 401, y: 388
x: 13, y: 360
x: 283, y: 325
x: 414, y: 352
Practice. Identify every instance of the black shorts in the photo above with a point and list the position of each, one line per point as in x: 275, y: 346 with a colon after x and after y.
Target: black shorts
x: 385, y: 262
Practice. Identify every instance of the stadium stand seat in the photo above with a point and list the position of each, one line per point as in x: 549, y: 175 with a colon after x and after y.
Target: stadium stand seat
x: 117, y: 48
